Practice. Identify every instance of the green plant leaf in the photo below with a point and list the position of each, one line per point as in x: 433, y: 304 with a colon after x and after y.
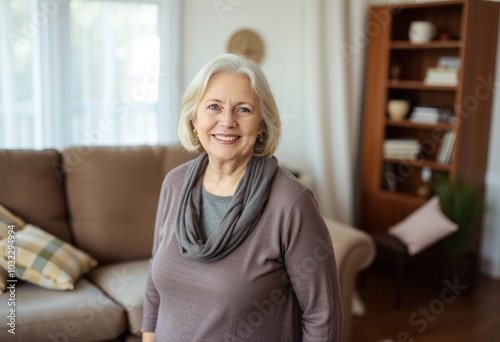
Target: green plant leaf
x: 463, y: 204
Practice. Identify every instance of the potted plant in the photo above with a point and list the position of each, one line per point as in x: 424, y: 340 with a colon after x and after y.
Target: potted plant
x: 462, y: 203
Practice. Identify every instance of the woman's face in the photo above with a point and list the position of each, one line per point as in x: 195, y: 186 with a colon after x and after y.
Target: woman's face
x: 228, y: 118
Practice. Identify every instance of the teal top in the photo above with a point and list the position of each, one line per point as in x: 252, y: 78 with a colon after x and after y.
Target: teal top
x: 213, y: 208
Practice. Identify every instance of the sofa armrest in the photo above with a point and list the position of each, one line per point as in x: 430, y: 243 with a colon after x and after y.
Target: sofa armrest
x: 354, y: 251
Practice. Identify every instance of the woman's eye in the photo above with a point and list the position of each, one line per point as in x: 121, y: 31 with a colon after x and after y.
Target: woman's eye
x: 213, y: 106
x: 243, y: 110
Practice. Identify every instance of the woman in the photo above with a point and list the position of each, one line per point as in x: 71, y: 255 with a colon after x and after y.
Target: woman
x: 241, y: 251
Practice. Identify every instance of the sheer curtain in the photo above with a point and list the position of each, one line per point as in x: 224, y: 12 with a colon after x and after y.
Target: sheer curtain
x: 88, y: 72
x: 333, y: 62
x: 19, y: 76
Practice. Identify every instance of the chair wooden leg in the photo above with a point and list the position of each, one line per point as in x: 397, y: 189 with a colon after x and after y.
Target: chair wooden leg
x: 398, y: 290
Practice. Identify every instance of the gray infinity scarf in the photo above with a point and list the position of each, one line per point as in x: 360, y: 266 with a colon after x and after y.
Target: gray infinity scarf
x: 243, y: 214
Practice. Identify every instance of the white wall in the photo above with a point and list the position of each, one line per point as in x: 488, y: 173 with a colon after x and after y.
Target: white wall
x: 207, y: 31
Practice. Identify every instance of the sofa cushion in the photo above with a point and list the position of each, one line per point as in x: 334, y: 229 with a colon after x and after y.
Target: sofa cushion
x: 33, y: 188
x: 43, y: 259
x: 125, y: 283
x: 113, y: 195
x: 85, y: 314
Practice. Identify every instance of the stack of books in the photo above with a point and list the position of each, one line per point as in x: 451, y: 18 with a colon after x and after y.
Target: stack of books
x: 445, y: 76
x: 432, y: 114
x: 446, y: 148
x: 401, y: 149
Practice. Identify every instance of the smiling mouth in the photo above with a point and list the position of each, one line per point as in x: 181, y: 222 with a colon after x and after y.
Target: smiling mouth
x: 226, y: 138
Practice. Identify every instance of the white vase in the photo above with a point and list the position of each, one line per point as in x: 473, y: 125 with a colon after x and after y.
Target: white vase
x: 421, y: 32
x: 398, y: 109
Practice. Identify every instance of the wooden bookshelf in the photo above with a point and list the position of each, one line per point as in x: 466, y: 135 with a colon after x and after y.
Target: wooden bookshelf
x: 471, y: 26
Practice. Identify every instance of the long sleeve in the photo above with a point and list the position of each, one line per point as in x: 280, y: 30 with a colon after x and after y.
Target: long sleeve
x: 311, y: 268
x: 152, y: 297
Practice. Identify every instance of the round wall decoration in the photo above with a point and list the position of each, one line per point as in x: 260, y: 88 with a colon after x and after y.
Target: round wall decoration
x: 248, y: 43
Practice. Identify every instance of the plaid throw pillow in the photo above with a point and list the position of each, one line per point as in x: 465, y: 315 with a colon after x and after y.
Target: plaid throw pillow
x: 6, y: 219
x: 45, y: 260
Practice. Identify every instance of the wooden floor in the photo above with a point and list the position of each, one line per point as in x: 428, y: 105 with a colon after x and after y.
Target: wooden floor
x: 424, y: 315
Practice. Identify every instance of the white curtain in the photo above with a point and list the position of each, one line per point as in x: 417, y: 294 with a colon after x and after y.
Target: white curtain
x: 19, y: 76
x: 334, y: 57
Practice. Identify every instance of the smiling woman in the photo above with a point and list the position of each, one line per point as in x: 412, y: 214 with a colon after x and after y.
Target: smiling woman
x: 238, y: 232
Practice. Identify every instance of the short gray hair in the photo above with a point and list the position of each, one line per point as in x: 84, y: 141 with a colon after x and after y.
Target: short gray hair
x: 235, y: 64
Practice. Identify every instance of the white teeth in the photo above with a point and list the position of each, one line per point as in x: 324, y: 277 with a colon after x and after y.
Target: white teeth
x: 225, y: 138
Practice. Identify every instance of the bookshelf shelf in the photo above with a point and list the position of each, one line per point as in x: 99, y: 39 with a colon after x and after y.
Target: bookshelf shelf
x: 418, y: 85
x: 443, y: 44
x: 396, y: 69
x: 430, y: 5
x: 419, y: 163
x: 402, y: 196
x: 419, y: 125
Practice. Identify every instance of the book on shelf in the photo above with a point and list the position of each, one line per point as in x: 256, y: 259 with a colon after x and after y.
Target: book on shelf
x: 432, y: 114
x: 446, y: 149
x: 446, y: 76
x: 401, y: 149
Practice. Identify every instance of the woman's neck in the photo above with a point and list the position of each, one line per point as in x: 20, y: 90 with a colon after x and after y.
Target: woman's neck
x: 222, y: 179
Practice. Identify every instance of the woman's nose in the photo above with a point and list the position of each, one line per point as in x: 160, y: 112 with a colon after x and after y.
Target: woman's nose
x: 227, y: 119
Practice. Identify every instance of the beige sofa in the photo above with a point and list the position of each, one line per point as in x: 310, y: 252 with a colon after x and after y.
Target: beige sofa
x: 103, y: 201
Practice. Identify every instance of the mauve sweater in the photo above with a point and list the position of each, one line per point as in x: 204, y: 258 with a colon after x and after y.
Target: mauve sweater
x: 279, y: 284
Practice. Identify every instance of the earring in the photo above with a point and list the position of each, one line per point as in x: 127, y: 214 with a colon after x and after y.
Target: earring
x: 195, y: 133
x: 259, y: 137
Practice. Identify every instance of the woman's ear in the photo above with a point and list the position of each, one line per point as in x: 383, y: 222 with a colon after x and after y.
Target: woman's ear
x: 262, y: 127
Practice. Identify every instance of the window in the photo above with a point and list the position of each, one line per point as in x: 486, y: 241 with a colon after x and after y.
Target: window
x: 88, y: 72
x: 18, y: 73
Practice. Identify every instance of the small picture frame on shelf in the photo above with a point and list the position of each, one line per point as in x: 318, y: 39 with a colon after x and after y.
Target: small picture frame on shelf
x: 389, y: 177
x: 424, y: 189
x: 395, y: 72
